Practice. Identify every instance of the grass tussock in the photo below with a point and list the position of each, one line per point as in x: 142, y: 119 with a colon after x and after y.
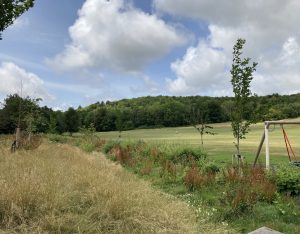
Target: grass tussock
x: 60, y: 189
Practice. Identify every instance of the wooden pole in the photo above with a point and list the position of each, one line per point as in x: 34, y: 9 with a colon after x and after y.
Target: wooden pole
x: 265, y: 137
x: 259, y: 148
x: 267, y: 145
x: 18, y: 133
x: 281, y: 122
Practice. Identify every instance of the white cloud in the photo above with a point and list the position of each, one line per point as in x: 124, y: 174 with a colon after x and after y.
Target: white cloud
x: 271, y: 28
x: 11, y: 78
x: 148, y: 86
x: 201, y: 69
x: 111, y: 34
x: 280, y: 74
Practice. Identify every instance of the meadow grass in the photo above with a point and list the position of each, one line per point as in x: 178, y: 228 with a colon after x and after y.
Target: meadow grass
x: 220, y: 147
x: 227, y: 195
x: 60, y: 189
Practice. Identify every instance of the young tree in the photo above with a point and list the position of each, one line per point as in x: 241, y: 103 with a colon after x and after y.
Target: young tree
x: 241, y: 77
x: 12, y: 9
x: 198, y: 119
x: 119, y: 122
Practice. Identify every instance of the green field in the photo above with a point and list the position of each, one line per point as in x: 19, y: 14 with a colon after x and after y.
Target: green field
x: 220, y: 147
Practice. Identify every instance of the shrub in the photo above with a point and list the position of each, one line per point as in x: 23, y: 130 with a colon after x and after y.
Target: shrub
x: 188, y: 155
x: 57, y: 138
x: 88, y: 147
x: 109, y: 145
x: 287, y: 180
x: 211, y: 167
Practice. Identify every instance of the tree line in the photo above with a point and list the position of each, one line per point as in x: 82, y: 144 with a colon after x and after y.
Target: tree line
x: 142, y: 112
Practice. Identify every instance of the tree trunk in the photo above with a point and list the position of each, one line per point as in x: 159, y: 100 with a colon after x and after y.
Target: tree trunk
x: 18, y: 136
x: 238, y: 146
x: 201, y: 140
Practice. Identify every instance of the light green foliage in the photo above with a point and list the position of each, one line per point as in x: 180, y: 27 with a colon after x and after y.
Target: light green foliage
x: 287, y: 179
x: 241, y: 77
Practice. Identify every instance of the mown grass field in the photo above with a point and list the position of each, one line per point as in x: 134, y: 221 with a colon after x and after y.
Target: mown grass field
x: 220, y: 147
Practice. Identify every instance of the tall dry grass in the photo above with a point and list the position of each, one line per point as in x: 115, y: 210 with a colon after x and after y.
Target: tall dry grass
x: 60, y: 189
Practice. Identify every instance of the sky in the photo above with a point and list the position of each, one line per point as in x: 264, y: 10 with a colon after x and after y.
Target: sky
x: 78, y: 52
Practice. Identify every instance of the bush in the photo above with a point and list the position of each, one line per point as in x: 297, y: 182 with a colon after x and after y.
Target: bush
x: 57, y: 138
x: 88, y: 147
x: 287, y: 180
x: 187, y: 155
x: 211, y: 167
x: 109, y: 145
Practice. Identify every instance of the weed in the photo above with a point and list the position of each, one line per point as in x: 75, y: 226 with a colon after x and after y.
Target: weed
x: 168, y: 169
x: 193, y: 179
x: 147, y: 168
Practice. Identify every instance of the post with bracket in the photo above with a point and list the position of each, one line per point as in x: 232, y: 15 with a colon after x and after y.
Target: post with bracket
x: 267, y: 145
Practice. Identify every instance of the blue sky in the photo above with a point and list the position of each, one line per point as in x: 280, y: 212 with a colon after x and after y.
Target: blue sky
x: 77, y: 52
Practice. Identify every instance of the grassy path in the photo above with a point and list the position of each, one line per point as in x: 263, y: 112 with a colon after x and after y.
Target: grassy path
x: 59, y: 189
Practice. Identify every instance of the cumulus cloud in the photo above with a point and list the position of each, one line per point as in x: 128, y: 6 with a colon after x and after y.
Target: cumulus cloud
x: 11, y: 78
x: 201, y: 69
x: 112, y: 34
x: 272, y: 33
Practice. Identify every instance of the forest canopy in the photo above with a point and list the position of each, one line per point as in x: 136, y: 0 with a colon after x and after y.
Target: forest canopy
x: 142, y: 112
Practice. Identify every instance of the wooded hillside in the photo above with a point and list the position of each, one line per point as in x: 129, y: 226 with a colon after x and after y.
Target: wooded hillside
x: 142, y: 112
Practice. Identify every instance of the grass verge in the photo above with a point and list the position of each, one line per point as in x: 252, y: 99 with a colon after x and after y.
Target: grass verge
x: 59, y: 189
